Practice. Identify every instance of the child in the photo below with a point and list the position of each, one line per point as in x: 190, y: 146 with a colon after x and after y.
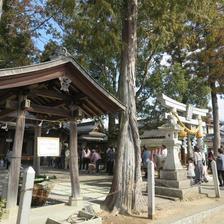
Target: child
x: 190, y: 170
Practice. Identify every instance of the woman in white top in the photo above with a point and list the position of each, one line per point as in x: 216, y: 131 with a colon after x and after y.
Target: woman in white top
x: 198, y: 165
x: 190, y: 170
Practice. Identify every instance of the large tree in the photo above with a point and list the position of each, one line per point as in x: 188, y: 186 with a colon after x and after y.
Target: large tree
x: 126, y: 185
x: 91, y: 32
x: 206, y: 59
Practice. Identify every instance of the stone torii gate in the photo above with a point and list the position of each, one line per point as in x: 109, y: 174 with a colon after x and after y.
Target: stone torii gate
x: 173, y: 177
x: 193, y: 116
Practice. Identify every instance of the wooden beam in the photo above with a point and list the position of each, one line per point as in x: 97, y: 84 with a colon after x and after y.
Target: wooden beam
x: 12, y: 105
x: 7, y: 112
x: 48, y: 110
x: 56, y: 104
x: 57, y: 95
x: 88, y: 111
x: 48, y: 94
x: 97, y: 108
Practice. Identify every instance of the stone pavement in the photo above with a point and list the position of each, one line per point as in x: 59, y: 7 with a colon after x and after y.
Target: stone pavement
x: 94, y: 188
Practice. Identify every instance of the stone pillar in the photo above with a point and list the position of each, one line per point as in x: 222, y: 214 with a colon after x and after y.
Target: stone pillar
x: 215, y: 179
x: 26, y: 196
x: 151, y: 190
x: 172, y: 161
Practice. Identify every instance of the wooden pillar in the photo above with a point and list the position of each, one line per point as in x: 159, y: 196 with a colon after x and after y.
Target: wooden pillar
x: 73, y: 164
x: 14, y: 169
x: 36, y: 159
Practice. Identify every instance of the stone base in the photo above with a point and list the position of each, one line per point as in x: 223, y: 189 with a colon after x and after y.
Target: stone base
x: 183, y: 194
x: 173, y: 183
x: 180, y: 174
x: 74, y: 201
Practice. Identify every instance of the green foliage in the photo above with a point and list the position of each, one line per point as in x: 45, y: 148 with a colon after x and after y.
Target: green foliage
x: 16, y: 45
x: 91, y: 31
x: 50, y: 51
x: 2, y: 207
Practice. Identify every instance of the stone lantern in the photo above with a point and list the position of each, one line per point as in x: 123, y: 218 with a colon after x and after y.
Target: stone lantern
x: 173, y: 177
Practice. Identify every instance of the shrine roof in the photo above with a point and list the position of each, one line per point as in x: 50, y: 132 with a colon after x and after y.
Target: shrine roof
x: 42, y: 86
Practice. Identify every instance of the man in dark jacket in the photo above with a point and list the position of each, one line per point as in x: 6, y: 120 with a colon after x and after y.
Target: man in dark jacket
x: 220, y: 167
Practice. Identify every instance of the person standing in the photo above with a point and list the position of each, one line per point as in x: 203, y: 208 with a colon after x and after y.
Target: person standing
x: 145, y: 159
x: 82, y: 159
x: 198, y: 161
x: 86, y: 158
x: 67, y: 158
x: 220, y: 167
x: 191, y: 170
x: 96, y: 159
x: 110, y: 160
x: 107, y: 158
x: 210, y: 158
x: 8, y: 158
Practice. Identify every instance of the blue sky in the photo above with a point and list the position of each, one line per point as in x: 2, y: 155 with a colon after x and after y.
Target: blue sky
x: 44, y: 38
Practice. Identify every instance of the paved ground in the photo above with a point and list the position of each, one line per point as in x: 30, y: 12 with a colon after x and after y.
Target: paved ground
x: 94, y: 188
x: 216, y: 218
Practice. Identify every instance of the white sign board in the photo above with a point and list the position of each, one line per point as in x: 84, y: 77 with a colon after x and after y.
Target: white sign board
x: 48, y: 146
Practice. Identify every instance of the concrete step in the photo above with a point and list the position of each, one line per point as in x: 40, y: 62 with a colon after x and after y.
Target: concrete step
x: 167, y: 197
x: 184, y: 193
x: 173, y: 183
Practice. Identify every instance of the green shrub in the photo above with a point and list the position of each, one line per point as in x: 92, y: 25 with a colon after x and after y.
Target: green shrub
x: 2, y: 207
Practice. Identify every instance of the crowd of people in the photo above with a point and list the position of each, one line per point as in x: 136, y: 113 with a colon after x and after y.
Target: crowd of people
x: 90, y: 159
x: 198, y: 165
x: 158, y: 156
x: 94, y: 160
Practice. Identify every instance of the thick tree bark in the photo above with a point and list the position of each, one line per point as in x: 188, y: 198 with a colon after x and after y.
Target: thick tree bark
x: 125, y: 188
x: 215, y: 112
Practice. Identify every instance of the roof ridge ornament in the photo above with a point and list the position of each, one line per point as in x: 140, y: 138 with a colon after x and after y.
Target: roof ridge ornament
x: 65, y: 83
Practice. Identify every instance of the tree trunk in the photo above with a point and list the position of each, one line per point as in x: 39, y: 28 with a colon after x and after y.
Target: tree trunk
x: 126, y: 189
x: 112, y: 132
x: 215, y: 112
x: 1, y: 4
x: 111, y: 129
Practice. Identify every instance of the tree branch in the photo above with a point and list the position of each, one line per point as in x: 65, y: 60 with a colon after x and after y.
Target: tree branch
x: 145, y: 72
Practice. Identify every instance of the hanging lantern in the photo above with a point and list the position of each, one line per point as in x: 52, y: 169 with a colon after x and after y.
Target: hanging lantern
x: 199, y: 134
x: 182, y: 133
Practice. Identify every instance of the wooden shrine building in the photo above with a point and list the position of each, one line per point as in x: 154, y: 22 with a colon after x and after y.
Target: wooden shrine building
x: 58, y: 90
